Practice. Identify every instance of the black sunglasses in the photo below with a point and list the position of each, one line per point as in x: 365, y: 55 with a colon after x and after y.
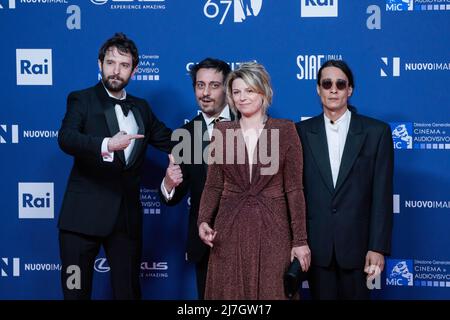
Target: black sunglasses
x: 328, y: 83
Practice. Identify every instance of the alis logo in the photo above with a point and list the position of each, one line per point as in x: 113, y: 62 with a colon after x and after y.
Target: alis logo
x: 34, y: 66
x: 240, y: 9
x: 394, y: 65
x: 319, y: 8
x: 10, y: 267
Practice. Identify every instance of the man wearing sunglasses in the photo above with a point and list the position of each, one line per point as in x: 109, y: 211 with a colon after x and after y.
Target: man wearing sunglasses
x: 347, y: 177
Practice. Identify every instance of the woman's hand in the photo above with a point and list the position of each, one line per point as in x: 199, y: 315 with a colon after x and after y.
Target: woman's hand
x: 206, y: 233
x: 303, y: 254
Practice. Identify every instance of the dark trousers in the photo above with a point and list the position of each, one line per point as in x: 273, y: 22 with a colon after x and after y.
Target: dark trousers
x: 201, y: 270
x: 336, y: 283
x: 122, y: 251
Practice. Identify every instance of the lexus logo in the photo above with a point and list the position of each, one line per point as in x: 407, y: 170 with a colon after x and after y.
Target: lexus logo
x: 101, y: 265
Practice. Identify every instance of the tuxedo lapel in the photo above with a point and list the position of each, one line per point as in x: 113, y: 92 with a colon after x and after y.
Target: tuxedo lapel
x: 353, y: 144
x: 317, y: 140
x: 110, y: 115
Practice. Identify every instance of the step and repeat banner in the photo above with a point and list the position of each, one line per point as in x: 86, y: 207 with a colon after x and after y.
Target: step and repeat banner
x: 399, y: 51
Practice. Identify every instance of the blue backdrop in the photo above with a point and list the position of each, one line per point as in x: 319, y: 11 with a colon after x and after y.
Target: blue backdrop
x: 398, y: 50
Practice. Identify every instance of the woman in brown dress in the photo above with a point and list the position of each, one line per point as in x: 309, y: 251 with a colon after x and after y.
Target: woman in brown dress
x: 252, y: 210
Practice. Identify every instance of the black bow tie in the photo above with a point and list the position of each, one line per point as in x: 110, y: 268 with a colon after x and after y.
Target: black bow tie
x: 124, y: 104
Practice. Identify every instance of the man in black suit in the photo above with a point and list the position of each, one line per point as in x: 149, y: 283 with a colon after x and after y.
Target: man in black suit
x: 348, y: 172
x: 107, y: 131
x: 208, y: 77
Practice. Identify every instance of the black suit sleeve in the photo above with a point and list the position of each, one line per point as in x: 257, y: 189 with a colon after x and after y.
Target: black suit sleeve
x: 382, y: 203
x: 71, y: 136
x: 159, y: 134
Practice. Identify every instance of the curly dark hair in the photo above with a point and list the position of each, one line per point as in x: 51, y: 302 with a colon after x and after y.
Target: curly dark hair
x: 123, y: 44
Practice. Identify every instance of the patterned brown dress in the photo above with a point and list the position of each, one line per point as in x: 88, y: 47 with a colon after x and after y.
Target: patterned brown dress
x: 257, y: 221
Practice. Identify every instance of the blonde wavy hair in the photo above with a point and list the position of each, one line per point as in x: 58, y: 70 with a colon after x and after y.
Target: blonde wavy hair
x: 256, y: 77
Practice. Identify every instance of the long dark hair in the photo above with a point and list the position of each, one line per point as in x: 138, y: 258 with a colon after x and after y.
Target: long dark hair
x: 343, y: 66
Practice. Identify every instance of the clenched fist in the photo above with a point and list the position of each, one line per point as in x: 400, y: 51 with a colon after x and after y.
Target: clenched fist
x: 174, y: 176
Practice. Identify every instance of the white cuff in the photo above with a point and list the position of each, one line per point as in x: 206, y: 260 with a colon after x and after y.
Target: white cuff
x: 168, y: 196
x: 106, y: 155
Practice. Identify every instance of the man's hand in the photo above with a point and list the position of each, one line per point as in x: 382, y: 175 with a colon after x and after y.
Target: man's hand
x: 121, y: 140
x: 174, y: 176
x: 374, y: 264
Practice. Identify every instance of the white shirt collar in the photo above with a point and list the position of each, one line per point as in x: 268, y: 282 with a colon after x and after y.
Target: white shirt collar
x: 225, y: 114
x: 343, y: 120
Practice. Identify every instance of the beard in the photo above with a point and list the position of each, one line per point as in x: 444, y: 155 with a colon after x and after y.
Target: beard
x: 114, y: 83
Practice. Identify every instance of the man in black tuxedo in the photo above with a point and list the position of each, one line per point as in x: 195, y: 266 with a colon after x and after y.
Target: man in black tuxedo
x: 348, y: 172
x: 208, y: 77
x: 107, y: 131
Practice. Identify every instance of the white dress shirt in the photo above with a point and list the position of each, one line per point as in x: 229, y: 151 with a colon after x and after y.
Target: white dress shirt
x: 336, y: 136
x: 224, y: 116
x: 127, y: 124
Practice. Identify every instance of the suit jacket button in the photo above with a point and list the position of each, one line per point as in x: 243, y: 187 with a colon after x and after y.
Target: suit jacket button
x: 334, y: 210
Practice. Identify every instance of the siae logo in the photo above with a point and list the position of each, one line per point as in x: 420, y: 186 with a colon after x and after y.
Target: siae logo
x: 34, y: 66
x: 309, y: 65
x: 319, y: 8
x: 395, y: 63
x: 11, y: 4
x: 240, y: 9
x: 36, y: 200
x: 10, y: 134
x: 7, y: 268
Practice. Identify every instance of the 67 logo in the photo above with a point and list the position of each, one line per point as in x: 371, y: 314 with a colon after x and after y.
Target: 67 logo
x: 242, y: 9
